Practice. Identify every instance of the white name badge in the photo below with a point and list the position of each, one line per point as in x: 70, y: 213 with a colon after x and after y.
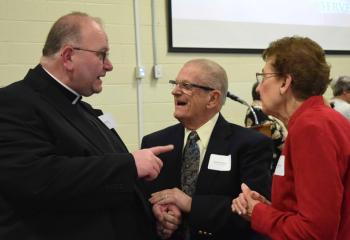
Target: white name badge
x: 279, y: 171
x: 108, y: 120
x: 219, y: 162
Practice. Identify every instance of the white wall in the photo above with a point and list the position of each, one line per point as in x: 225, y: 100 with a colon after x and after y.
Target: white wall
x: 24, y: 25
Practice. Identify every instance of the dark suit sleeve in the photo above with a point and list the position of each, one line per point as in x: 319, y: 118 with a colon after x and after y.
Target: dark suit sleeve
x: 255, y: 162
x: 44, y: 164
x: 212, y: 212
x: 148, y: 187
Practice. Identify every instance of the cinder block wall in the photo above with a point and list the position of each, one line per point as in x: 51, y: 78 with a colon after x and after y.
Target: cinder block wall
x: 24, y: 25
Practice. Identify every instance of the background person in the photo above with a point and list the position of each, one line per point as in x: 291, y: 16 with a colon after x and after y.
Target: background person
x: 311, y: 184
x: 227, y: 155
x: 276, y: 130
x: 63, y: 173
x: 341, y: 92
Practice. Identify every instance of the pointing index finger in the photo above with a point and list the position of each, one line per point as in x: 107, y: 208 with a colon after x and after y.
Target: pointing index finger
x: 161, y: 149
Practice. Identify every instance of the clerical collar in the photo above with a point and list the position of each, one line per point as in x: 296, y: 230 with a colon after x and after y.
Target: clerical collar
x: 76, y: 97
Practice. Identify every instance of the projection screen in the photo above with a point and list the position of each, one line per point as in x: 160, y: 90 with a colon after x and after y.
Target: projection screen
x: 248, y: 26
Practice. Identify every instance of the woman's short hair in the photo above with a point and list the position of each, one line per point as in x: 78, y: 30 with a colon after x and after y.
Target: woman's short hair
x: 304, y: 60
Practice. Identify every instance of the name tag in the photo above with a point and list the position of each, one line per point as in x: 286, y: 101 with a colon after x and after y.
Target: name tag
x: 108, y: 120
x: 279, y: 171
x: 219, y: 162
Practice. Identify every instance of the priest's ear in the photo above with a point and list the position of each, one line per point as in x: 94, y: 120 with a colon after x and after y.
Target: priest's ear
x: 67, y: 55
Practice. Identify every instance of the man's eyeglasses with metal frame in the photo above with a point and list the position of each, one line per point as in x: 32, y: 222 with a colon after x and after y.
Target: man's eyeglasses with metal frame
x: 102, y: 55
x: 186, y: 86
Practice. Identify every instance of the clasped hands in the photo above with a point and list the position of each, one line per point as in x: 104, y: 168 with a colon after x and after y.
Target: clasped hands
x: 169, y: 203
x: 246, y: 201
x: 167, y: 207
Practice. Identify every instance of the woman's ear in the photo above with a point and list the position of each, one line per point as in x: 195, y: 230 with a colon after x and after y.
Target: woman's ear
x: 286, y: 84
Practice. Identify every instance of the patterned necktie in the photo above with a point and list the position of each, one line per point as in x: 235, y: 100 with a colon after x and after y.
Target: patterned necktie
x: 190, y: 164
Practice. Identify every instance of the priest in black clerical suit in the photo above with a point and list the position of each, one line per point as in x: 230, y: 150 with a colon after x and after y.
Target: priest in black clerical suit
x: 63, y: 173
x: 63, y: 178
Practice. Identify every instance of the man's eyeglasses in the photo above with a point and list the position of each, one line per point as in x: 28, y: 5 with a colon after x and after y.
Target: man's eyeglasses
x: 261, y: 76
x: 102, y: 55
x: 188, y: 87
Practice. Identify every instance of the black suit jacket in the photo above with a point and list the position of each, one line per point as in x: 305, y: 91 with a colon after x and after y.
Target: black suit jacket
x: 59, y: 178
x: 211, y: 216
